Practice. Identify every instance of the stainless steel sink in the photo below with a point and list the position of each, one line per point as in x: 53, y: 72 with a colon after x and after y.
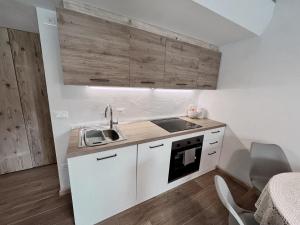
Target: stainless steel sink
x: 99, y: 136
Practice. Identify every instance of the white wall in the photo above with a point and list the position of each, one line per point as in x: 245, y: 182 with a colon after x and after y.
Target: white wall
x: 86, y: 104
x: 259, y: 91
x: 254, y: 15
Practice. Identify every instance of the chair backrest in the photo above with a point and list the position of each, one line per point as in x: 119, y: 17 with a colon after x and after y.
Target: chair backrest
x: 227, y: 199
x: 267, y: 160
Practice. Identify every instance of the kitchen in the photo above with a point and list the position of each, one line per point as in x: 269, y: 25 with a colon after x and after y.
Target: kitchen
x: 248, y: 100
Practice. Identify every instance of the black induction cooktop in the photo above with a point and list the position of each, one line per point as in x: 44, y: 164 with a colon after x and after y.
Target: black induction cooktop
x: 175, y: 124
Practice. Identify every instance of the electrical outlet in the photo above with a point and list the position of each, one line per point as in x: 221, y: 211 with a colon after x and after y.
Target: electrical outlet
x: 61, y: 114
x: 51, y: 20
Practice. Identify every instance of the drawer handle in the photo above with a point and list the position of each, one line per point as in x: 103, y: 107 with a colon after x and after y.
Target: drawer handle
x: 206, y: 86
x: 156, y: 146
x: 99, y: 80
x: 107, y: 157
x: 214, y: 152
x: 212, y: 143
x: 215, y: 132
x: 181, y: 84
x: 147, y: 82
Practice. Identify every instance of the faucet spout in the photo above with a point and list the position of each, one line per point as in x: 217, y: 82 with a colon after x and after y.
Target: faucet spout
x: 111, y: 121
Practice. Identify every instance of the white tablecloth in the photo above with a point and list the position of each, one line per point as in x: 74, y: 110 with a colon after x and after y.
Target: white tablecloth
x: 279, y: 203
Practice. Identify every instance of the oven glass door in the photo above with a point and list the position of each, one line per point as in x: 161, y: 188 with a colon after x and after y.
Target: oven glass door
x: 184, y: 162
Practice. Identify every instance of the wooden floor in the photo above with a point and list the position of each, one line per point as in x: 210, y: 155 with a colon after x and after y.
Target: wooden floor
x: 31, y: 198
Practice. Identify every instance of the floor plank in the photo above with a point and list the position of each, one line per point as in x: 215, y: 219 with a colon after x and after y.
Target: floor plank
x: 31, y: 198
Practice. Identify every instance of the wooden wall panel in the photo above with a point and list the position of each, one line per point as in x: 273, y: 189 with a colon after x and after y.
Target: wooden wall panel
x: 14, y: 149
x: 93, y: 51
x: 147, y: 59
x: 29, y: 70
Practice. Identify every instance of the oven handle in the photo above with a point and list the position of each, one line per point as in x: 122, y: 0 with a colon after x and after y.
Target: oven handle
x: 196, y: 146
x: 156, y: 146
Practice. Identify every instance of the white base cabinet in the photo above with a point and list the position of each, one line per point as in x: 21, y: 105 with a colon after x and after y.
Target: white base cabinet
x: 106, y: 183
x: 153, y: 168
x: 211, y: 150
x: 102, y: 184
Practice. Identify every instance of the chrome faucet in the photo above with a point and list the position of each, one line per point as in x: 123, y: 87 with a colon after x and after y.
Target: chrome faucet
x: 111, y: 122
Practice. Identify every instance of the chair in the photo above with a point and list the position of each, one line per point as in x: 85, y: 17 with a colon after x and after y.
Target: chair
x: 267, y: 160
x: 237, y: 215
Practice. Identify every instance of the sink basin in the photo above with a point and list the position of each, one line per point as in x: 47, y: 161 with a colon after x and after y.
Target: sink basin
x: 98, y: 136
x: 111, y: 134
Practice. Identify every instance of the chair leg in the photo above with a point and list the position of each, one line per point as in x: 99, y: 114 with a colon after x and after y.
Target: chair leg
x: 232, y: 220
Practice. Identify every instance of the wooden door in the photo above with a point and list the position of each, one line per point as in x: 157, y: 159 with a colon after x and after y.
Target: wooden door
x: 102, y: 184
x: 26, y: 132
x: 209, y: 64
x: 182, y: 63
x: 14, y: 149
x: 93, y: 51
x: 147, y: 59
x: 153, y: 168
x: 29, y: 69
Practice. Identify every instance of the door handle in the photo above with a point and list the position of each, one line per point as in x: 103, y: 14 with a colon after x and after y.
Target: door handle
x: 212, y: 143
x: 181, y: 84
x: 99, y: 80
x: 215, y: 132
x: 107, y: 157
x: 156, y: 146
x: 147, y: 82
x: 214, y: 152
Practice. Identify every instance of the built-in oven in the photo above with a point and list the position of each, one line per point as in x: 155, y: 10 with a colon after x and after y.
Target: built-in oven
x: 185, y: 157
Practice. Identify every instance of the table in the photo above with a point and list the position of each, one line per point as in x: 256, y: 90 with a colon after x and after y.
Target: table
x: 279, y: 202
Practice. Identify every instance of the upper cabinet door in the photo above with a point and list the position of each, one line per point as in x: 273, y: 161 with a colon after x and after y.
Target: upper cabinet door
x: 209, y: 64
x: 93, y: 51
x: 182, y: 64
x: 147, y: 59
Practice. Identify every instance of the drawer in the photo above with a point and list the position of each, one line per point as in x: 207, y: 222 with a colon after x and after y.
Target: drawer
x: 213, y: 143
x: 216, y: 133
x: 209, y: 159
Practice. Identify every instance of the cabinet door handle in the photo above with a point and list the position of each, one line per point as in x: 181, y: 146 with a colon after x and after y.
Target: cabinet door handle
x: 107, y: 157
x: 156, y: 146
x: 99, y: 80
x: 214, y: 152
x: 147, y: 82
x: 181, y: 84
x: 212, y: 143
x: 205, y: 86
x: 215, y: 132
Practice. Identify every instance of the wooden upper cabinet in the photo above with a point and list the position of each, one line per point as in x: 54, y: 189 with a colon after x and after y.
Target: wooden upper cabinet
x: 98, y: 52
x: 93, y: 51
x: 209, y: 64
x: 147, y: 59
x: 182, y: 65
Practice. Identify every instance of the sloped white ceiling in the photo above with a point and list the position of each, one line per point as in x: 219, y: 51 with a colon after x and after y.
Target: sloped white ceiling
x: 253, y: 15
x: 182, y: 16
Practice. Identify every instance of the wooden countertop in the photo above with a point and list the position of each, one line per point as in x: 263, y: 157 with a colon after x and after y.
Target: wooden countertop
x: 137, y: 133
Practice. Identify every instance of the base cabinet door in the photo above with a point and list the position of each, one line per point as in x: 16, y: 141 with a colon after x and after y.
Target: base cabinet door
x: 153, y: 168
x: 102, y: 184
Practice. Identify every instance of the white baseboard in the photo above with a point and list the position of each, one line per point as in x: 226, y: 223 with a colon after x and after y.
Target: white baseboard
x: 64, y: 192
